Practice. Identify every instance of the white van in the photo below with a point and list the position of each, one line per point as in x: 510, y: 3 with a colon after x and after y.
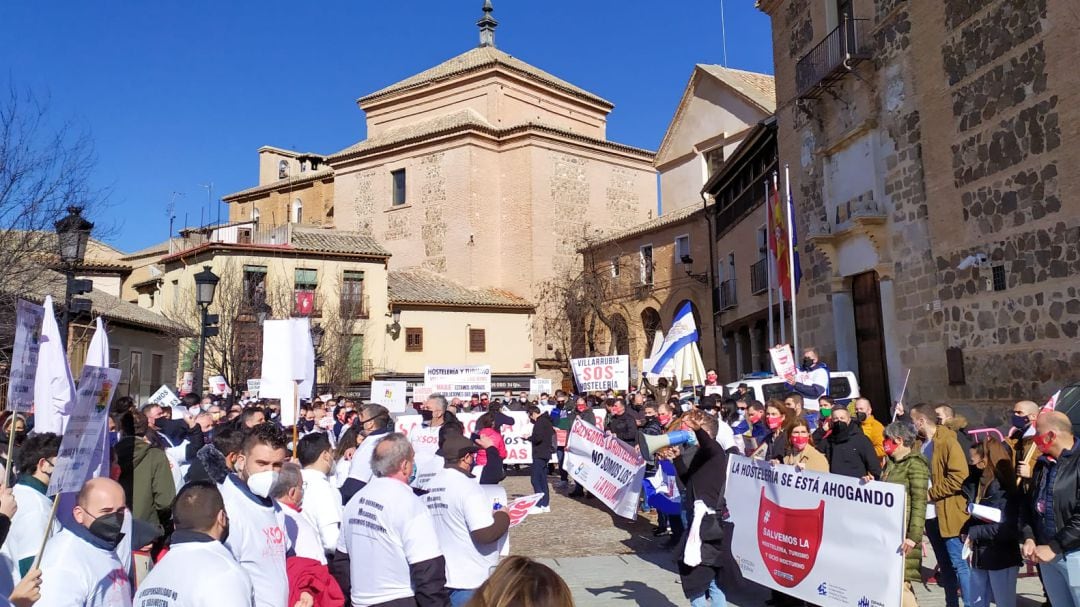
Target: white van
x: 843, y: 387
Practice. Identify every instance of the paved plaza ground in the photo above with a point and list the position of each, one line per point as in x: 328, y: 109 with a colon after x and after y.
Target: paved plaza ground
x: 608, y: 560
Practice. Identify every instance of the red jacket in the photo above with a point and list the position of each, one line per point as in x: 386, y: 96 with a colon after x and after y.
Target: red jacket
x: 500, y: 445
x: 311, y: 576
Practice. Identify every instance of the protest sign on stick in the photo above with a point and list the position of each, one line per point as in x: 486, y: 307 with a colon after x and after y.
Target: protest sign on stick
x: 793, y: 531
x: 783, y: 361
x: 390, y: 394
x: 164, y: 397
x: 24, y: 361
x: 606, y: 467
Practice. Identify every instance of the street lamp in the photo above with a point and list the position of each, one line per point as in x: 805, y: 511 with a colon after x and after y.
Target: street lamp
x: 317, y: 332
x: 72, y: 234
x: 394, y: 329
x: 205, y: 284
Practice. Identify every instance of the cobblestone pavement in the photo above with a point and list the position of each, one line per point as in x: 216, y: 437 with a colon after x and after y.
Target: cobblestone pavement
x: 608, y: 560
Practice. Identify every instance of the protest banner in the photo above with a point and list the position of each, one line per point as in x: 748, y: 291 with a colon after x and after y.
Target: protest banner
x: 714, y: 390
x: 187, y: 383
x: 24, y: 357
x: 253, y: 387
x: 460, y: 382
x: 288, y: 366
x: 606, y: 467
x: 539, y: 386
x: 218, y: 385
x: 164, y: 397
x: 802, y: 545
x: 84, y: 429
x: 421, y: 393
x: 601, y: 373
x: 426, y: 440
x: 783, y: 361
x: 390, y: 394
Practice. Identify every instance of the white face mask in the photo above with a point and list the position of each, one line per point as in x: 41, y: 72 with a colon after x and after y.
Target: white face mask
x: 261, y: 482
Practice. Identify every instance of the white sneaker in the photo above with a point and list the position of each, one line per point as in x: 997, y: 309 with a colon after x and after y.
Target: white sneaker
x: 539, y: 510
x: 546, y: 510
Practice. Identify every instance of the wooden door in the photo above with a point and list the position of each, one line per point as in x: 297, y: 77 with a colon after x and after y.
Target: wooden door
x: 870, y: 343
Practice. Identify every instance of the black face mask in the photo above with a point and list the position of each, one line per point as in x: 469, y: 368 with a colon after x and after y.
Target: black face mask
x: 20, y: 436
x: 807, y: 362
x: 860, y: 416
x: 109, y: 528
x: 839, y: 430
x: 425, y: 415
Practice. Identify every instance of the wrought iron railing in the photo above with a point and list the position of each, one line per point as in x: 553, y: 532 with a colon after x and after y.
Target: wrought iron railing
x: 759, y: 277
x: 832, y: 57
x: 727, y: 294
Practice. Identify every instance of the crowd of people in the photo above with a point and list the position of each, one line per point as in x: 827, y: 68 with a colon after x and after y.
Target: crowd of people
x: 326, y: 513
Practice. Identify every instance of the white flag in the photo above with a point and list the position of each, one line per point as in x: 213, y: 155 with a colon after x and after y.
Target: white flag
x: 54, y: 391
x: 97, y: 355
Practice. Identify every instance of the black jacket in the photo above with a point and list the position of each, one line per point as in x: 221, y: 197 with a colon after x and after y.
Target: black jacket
x: 993, y: 545
x: 852, y: 454
x: 624, y: 427
x: 1066, y: 503
x: 543, y: 437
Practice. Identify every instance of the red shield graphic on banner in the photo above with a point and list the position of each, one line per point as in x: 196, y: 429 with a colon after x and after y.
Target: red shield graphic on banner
x: 789, y: 540
x: 305, y: 302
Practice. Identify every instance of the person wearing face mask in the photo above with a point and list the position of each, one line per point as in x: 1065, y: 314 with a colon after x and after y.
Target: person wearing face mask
x: 1021, y: 433
x: 906, y: 466
x: 947, y: 417
x: 374, y: 421
x: 812, y: 378
x: 848, y: 450
x: 257, y: 538
x: 872, y: 428
x: 994, y: 545
x: 322, y: 500
x: 20, y: 435
x: 151, y: 497
x: 288, y: 491
x: 580, y: 409
x: 388, y: 553
x: 1050, y: 513
x: 434, y: 411
x: 201, y: 526
x: 825, y: 409
x: 774, y: 445
x: 80, y: 565
x: 947, y: 509
x: 36, y: 461
x: 464, y: 521
x: 801, y: 452
x: 543, y: 441
x: 621, y: 424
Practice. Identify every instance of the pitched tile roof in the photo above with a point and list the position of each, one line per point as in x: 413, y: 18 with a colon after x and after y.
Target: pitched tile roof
x: 758, y: 88
x: 305, y: 177
x: 666, y: 219
x: 477, y: 59
x: 419, y: 286
x: 320, y: 240
x: 440, y: 124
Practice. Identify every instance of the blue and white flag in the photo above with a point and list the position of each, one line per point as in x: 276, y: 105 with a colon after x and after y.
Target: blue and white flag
x: 683, y: 332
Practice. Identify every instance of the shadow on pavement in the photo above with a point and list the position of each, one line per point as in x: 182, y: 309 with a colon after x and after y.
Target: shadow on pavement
x: 638, y: 593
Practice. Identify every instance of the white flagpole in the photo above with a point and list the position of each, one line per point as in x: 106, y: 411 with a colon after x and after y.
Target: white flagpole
x: 791, y: 262
x: 768, y: 264
x: 779, y: 289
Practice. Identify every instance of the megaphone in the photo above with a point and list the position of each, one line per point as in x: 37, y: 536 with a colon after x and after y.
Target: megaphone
x: 649, y: 444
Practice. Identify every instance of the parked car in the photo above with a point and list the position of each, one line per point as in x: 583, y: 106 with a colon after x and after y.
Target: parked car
x: 843, y: 387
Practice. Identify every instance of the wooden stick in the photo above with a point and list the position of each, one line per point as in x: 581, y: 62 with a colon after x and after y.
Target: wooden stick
x: 903, y: 391
x: 48, y: 531
x: 296, y: 418
x: 10, y: 466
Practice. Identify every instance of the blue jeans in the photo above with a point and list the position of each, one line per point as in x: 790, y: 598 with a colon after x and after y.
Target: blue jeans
x: 954, y: 569
x: 540, y: 482
x: 714, y: 593
x: 1061, y: 579
x: 458, y: 598
x: 996, y: 584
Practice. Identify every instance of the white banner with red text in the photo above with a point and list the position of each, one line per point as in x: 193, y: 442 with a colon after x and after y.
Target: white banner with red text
x: 459, y: 382
x: 794, y: 532
x: 606, y: 467
x: 600, y: 373
x: 425, y: 441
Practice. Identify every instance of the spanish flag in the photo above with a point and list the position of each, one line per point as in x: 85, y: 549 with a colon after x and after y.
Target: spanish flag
x: 779, y: 242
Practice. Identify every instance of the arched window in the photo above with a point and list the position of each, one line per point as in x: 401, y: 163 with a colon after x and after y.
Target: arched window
x: 650, y: 323
x: 297, y: 211
x: 620, y: 334
x: 283, y: 169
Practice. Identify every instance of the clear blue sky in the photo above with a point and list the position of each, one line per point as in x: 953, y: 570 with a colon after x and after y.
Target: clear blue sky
x: 177, y: 94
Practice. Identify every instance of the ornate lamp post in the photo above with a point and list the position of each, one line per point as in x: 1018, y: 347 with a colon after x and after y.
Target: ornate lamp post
x: 206, y: 283
x: 73, y: 233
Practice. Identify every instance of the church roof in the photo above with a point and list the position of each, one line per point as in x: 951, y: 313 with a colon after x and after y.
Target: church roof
x: 423, y: 287
x: 656, y: 223
x: 439, y: 124
x: 478, y: 59
x: 757, y: 88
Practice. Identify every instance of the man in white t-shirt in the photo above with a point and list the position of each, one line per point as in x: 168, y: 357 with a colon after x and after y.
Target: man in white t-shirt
x: 468, y: 530
x: 200, y: 526
x: 36, y: 461
x: 373, y: 423
x: 257, y: 535
x: 288, y: 490
x: 80, y: 566
x: 322, y: 500
x: 388, y: 554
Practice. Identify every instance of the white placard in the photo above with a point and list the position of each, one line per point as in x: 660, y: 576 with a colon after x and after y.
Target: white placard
x: 426, y: 440
x: 460, y: 382
x: 253, y: 387
x: 218, y: 385
x: 288, y: 358
x: 422, y: 393
x: 602, y: 373
x: 539, y: 386
x: 164, y: 397
x: 85, y: 429
x: 606, y: 467
x: 187, y: 383
x: 24, y: 356
x: 783, y: 361
x: 390, y: 394
x: 793, y: 532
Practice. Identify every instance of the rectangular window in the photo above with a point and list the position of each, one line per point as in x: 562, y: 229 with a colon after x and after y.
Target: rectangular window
x: 304, y: 292
x: 762, y: 242
x: 157, y: 361
x: 646, y: 260
x: 615, y: 269
x: 999, y: 278
x: 352, y: 295
x: 399, y: 186
x: 175, y: 294
x: 682, y: 248
x: 114, y: 358
x: 356, y: 357
x: 714, y: 161
x: 477, y: 340
x: 414, y: 339
x: 254, y: 285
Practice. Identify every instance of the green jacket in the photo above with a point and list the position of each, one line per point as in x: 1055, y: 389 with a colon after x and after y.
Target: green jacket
x: 913, y: 472
x: 147, y: 480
